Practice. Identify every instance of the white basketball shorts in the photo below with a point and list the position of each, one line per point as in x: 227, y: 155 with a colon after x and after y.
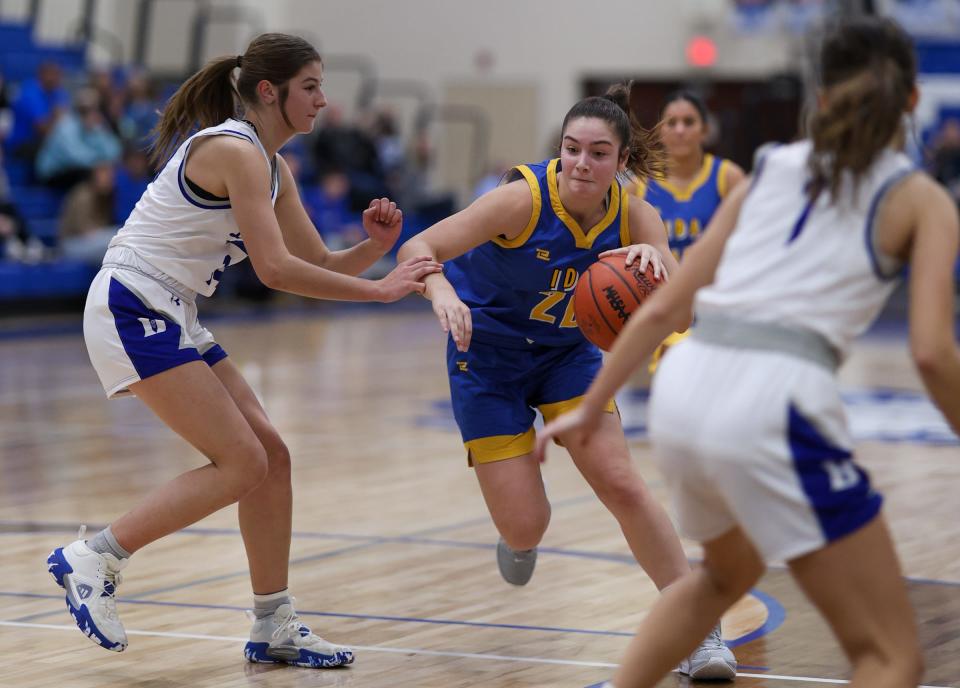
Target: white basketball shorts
x: 757, y: 439
x: 138, y: 324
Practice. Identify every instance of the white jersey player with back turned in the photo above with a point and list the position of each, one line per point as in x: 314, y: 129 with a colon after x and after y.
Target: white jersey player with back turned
x: 766, y: 277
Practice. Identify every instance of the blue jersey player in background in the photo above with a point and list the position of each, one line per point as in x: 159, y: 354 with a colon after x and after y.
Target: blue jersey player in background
x: 690, y: 189
x: 514, y: 345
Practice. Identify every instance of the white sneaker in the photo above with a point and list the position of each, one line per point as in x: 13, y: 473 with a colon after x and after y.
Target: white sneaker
x: 712, y: 661
x: 282, y: 638
x: 91, y: 581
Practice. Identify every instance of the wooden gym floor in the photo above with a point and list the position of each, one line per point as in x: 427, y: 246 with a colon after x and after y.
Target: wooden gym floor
x: 393, y: 551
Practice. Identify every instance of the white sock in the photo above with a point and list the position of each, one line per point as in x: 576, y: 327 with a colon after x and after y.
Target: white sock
x: 266, y: 605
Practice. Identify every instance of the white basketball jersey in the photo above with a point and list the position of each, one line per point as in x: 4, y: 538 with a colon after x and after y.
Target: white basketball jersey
x: 802, y: 265
x: 190, y: 237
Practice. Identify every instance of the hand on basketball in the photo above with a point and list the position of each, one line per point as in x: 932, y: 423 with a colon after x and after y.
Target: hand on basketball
x: 454, y: 318
x: 382, y: 222
x: 407, y: 277
x: 646, y: 253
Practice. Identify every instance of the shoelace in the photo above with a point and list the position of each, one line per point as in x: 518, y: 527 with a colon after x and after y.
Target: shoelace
x: 111, y: 580
x: 110, y: 608
x: 713, y: 641
x: 289, y: 623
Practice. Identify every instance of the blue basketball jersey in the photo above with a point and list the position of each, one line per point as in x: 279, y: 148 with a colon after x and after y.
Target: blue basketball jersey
x: 686, y: 212
x: 520, y: 291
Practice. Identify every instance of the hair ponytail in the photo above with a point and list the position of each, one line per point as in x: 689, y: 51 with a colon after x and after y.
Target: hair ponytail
x: 204, y: 100
x: 868, y: 72
x: 212, y: 95
x: 645, y: 158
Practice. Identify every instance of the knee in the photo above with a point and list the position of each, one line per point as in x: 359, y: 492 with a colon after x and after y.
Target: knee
x: 250, y: 471
x: 730, y: 583
x: 526, y: 531
x: 621, y: 491
x: 278, y: 461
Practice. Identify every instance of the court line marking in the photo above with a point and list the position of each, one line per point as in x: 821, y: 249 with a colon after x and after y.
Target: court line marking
x: 419, y: 651
x: 776, y: 613
x: 345, y: 615
x: 417, y: 537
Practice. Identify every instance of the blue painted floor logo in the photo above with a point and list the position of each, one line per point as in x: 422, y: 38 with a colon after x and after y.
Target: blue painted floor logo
x: 875, y: 415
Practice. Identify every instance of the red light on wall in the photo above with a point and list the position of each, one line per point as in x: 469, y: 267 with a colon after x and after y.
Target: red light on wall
x: 701, y: 52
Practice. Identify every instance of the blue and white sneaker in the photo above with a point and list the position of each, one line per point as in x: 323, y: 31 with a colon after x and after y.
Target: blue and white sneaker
x: 712, y: 661
x: 91, y: 581
x: 281, y: 638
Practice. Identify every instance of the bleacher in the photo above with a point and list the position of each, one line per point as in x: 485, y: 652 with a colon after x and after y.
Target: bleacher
x: 20, y: 55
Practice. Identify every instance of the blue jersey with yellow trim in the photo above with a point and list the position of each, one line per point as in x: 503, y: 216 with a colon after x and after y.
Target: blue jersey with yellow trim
x: 686, y: 212
x: 520, y: 291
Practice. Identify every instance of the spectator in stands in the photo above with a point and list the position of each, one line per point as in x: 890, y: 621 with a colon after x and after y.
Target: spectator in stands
x: 299, y: 161
x: 946, y: 157
x: 140, y: 113
x: 132, y: 178
x: 78, y: 142
x: 14, y: 239
x: 346, y: 147
x: 428, y: 205
x: 87, y: 223
x: 6, y: 112
x: 111, y: 95
x: 328, y: 204
x: 390, y: 148
x: 39, y: 104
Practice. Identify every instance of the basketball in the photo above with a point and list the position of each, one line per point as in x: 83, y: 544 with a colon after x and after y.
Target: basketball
x: 607, y: 293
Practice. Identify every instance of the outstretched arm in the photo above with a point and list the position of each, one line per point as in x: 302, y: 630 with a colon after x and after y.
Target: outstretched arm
x: 241, y: 169
x: 504, y: 211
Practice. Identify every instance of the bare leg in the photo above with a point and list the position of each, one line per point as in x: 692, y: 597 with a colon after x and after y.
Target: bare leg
x: 220, y: 432
x: 689, y: 609
x: 856, y: 584
x: 606, y: 464
x: 513, y: 490
x: 266, y: 513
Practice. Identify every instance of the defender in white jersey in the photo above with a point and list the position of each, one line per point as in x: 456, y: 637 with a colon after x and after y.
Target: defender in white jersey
x: 223, y: 195
x: 797, y: 263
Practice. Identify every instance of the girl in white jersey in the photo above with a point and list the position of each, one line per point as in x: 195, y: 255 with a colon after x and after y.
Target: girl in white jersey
x: 796, y: 264
x: 223, y: 195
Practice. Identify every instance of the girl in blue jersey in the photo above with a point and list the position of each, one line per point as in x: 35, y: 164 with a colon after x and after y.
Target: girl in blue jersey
x: 514, y: 345
x: 224, y: 194
x: 694, y: 182
x: 767, y: 474
x: 689, y: 190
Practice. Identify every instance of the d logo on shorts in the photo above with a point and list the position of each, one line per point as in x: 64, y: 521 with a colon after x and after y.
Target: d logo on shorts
x: 152, y: 326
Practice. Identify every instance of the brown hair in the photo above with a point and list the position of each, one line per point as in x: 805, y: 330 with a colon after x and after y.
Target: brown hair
x: 868, y: 70
x: 213, y: 94
x: 645, y: 157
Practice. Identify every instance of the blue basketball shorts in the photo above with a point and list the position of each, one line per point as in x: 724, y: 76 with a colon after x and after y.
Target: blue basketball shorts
x: 136, y: 326
x: 759, y: 440
x: 495, y: 390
